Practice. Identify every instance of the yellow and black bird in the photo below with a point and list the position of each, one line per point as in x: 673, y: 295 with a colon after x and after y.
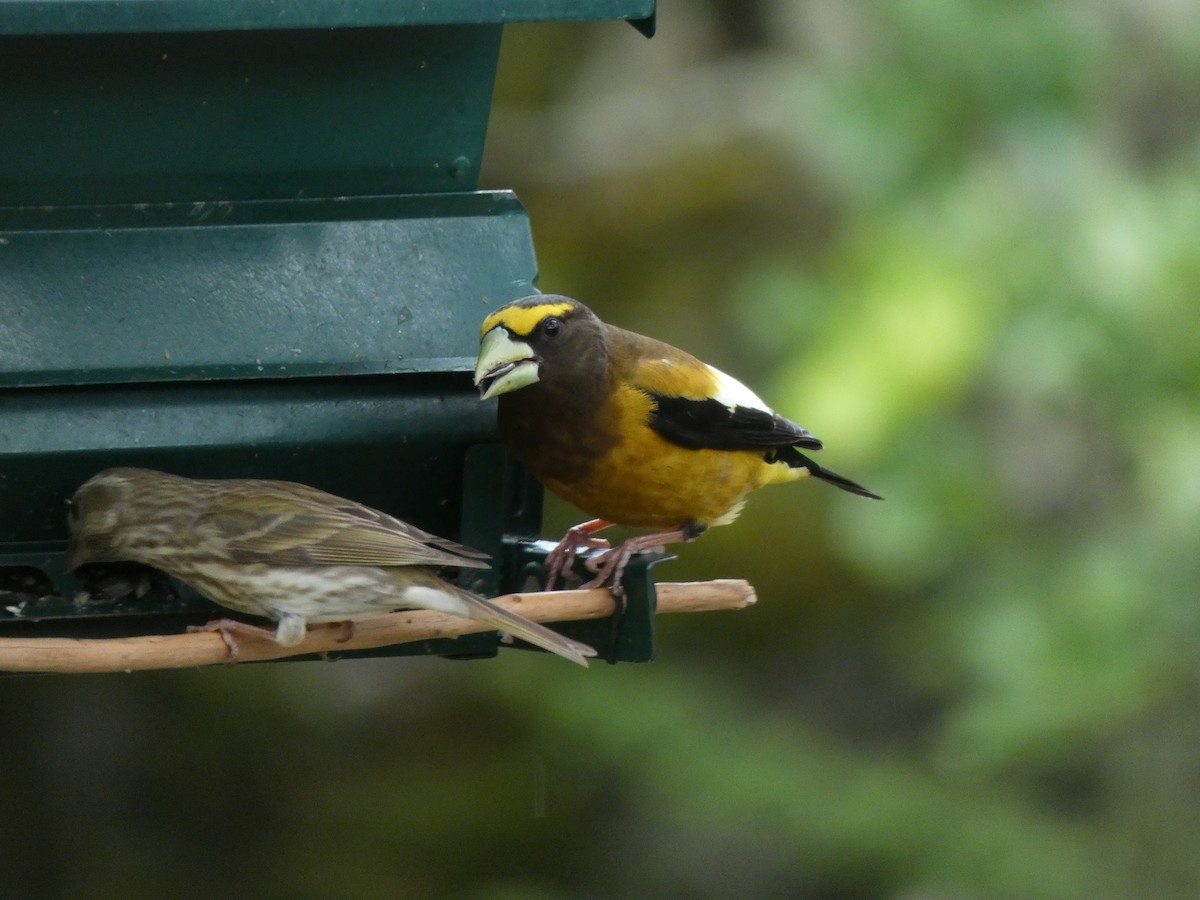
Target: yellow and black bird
x: 282, y: 550
x: 631, y: 430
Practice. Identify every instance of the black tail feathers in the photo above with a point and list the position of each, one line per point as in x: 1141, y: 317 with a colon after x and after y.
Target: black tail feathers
x: 798, y: 460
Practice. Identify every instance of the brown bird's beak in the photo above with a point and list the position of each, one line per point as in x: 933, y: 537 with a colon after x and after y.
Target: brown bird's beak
x: 504, y: 365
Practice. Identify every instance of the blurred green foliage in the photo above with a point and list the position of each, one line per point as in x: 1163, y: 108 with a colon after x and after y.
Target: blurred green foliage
x: 957, y: 240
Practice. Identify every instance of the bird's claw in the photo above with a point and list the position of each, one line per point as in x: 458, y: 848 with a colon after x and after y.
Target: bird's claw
x: 226, y: 628
x: 609, y: 569
x: 580, y: 537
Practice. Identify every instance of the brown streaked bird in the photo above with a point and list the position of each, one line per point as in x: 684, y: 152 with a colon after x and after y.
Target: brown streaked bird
x: 631, y: 430
x: 282, y: 550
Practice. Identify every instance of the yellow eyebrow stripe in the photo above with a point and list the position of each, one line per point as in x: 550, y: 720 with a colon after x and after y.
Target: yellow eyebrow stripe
x: 521, y: 320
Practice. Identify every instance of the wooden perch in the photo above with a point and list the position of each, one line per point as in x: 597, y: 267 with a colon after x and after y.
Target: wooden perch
x: 180, y: 651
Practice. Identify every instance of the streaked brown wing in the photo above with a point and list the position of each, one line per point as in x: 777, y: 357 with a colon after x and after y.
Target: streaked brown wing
x: 293, y: 524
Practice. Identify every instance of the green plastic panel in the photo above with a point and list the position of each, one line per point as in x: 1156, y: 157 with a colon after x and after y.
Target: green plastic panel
x: 377, y: 287
x: 145, y: 118
x: 78, y: 16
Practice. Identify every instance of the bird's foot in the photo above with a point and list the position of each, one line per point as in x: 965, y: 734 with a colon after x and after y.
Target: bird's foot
x: 227, y: 628
x: 580, y: 537
x: 610, y: 567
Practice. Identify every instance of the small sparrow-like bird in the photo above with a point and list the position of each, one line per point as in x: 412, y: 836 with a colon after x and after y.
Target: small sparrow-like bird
x: 282, y: 550
x: 631, y: 430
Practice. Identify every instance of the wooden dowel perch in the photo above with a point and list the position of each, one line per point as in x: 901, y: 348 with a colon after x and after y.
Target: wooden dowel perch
x: 179, y: 651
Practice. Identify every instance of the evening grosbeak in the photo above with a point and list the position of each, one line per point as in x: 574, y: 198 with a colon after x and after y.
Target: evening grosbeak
x: 285, y: 551
x: 631, y: 430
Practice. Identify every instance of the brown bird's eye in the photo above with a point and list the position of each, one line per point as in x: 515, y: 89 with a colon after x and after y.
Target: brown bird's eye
x: 552, y: 326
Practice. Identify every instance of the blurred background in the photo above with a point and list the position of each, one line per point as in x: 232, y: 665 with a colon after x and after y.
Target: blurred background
x: 956, y: 239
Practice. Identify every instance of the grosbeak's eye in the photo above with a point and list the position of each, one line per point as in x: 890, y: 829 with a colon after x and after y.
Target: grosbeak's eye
x: 552, y: 326
x: 72, y: 512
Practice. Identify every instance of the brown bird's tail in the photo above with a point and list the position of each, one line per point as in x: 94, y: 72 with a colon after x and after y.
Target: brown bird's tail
x: 797, y: 460
x: 526, y: 629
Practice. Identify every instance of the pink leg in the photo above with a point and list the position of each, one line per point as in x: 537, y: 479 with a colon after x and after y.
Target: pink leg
x: 227, y: 628
x: 562, y: 557
x: 610, y: 567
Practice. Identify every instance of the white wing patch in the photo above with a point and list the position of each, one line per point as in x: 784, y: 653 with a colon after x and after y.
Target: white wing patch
x: 733, y: 393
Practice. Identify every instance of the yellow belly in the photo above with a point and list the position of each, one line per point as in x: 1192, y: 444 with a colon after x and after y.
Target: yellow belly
x: 648, y: 482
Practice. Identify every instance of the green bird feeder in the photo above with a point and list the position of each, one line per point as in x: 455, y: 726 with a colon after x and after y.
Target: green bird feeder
x: 246, y: 240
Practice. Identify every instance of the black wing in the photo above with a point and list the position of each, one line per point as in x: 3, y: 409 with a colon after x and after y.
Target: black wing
x: 711, y: 425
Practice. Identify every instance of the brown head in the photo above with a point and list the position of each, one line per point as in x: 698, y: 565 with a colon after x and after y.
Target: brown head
x: 111, y: 513
x: 549, y: 341
x: 550, y: 360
